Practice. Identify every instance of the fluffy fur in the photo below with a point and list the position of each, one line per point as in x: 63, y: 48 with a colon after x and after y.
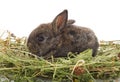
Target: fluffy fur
x: 60, y: 37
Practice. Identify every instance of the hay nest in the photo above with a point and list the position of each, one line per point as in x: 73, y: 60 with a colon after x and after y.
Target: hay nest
x: 18, y: 64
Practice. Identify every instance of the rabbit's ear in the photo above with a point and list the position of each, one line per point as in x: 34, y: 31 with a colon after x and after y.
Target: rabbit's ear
x: 71, y: 21
x: 60, y: 21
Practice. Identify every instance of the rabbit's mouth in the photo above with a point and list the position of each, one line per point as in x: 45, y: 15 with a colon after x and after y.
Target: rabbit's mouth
x: 49, y: 53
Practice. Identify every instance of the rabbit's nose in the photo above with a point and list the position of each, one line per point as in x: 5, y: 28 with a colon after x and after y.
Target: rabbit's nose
x: 38, y: 53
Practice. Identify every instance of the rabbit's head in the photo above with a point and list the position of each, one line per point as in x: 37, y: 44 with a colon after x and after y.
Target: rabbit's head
x: 46, y: 38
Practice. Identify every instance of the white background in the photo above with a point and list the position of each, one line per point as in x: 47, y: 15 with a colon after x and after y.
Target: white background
x: 22, y: 16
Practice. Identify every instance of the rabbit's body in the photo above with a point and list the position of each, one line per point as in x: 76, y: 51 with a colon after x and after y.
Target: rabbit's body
x: 60, y: 37
x: 77, y: 39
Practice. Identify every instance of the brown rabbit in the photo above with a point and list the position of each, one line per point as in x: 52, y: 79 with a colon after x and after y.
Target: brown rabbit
x: 60, y: 37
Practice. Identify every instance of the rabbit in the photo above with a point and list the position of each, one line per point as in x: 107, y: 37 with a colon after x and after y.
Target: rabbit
x: 60, y: 37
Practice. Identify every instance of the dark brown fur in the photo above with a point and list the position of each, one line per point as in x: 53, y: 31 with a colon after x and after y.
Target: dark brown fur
x: 60, y: 37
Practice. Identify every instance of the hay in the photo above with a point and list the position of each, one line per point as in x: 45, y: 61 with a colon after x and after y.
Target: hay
x: 18, y: 64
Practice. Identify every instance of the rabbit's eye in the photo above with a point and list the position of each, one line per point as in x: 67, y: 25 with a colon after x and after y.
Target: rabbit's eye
x: 40, y: 38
